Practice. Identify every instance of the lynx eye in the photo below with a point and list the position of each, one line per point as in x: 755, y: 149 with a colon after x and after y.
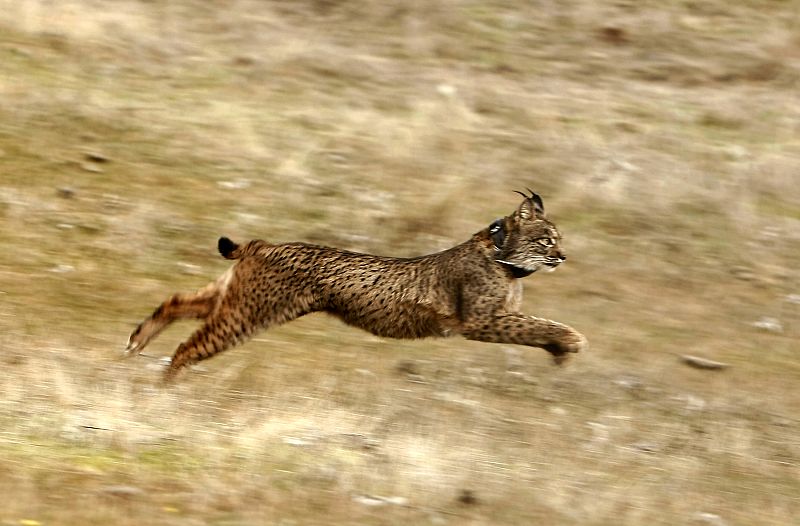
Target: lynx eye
x: 546, y: 242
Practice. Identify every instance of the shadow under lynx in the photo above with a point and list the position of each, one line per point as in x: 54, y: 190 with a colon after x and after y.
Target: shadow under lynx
x: 472, y: 290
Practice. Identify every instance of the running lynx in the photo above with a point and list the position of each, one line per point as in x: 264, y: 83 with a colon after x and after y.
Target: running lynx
x: 473, y: 290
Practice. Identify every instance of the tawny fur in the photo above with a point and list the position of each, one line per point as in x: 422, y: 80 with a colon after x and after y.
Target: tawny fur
x: 472, y: 289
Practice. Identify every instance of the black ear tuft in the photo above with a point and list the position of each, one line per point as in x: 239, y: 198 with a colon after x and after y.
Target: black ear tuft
x: 532, y: 206
x: 537, y: 201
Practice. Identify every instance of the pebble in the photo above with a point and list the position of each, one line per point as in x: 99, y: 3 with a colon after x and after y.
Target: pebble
x: 376, y: 500
x: 62, y: 269
x: 66, y: 192
x: 768, y: 324
x: 293, y: 441
x: 645, y: 447
x: 239, y: 184
x: 407, y: 367
x: 446, y: 90
x: 629, y: 382
x: 96, y: 157
x: 122, y: 491
x: 709, y: 518
x: 467, y: 496
x: 91, y: 167
x: 793, y: 298
x: 703, y: 363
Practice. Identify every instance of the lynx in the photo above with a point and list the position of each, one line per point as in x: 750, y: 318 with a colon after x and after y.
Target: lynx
x: 473, y: 290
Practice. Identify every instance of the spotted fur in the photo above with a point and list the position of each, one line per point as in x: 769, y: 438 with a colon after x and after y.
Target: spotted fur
x: 472, y: 289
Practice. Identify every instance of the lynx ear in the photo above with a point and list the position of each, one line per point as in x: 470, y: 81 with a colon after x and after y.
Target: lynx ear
x: 532, y: 205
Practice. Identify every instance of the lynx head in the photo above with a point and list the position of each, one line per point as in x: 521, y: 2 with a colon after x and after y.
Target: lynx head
x: 526, y: 240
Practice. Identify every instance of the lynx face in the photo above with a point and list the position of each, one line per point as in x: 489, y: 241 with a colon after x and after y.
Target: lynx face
x: 532, y: 242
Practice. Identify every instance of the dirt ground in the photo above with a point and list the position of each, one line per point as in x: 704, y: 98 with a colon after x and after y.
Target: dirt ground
x: 663, y: 137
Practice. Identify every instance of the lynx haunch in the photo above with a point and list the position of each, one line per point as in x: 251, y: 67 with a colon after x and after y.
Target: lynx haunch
x: 472, y: 289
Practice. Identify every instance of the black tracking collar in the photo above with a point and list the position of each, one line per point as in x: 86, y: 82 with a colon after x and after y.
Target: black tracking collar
x: 497, y: 231
x: 518, y: 272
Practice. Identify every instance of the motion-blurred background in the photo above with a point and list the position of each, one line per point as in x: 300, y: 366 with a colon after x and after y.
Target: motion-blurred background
x: 663, y: 137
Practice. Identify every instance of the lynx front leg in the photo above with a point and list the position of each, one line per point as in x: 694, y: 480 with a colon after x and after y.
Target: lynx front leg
x: 556, y: 338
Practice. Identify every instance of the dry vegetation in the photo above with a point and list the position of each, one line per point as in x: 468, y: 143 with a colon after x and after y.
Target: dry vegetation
x: 663, y: 136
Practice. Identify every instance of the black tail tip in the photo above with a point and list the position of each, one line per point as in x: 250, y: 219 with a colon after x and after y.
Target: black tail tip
x: 226, y: 247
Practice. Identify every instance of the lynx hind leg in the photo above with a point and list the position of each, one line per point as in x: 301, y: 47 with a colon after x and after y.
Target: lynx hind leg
x: 234, y: 322
x: 198, y: 305
x: 215, y: 336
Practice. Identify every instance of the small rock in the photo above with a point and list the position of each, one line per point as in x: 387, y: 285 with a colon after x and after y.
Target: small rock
x: 625, y: 166
x: 628, y: 126
x: 769, y: 324
x: 702, y: 363
x: 467, y: 497
x: 66, y: 192
x: 239, y: 184
x: 244, y: 60
x: 743, y: 273
x: 95, y: 157
x: 709, y: 518
x: 613, y: 35
x: 447, y: 90
x: 407, y: 367
x: 645, y: 447
x: 376, y: 500
x: 91, y: 167
x: 523, y: 377
x: 62, y: 269
x: 368, y: 500
x: 793, y: 298
x: 416, y: 378
x: 113, y: 202
x: 631, y: 383
x: 122, y: 491
x: 294, y: 441
x: 736, y: 152
x: 360, y: 441
x: 694, y: 403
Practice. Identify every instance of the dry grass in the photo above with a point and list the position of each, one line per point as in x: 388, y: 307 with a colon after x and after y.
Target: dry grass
x: 662, y: 136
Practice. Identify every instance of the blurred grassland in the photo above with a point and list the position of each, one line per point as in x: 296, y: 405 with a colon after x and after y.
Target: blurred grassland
x: 663, y: 137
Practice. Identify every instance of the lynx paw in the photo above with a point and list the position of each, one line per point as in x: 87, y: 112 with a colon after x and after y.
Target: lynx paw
x: 573, y: 343
x: 135, y: 342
